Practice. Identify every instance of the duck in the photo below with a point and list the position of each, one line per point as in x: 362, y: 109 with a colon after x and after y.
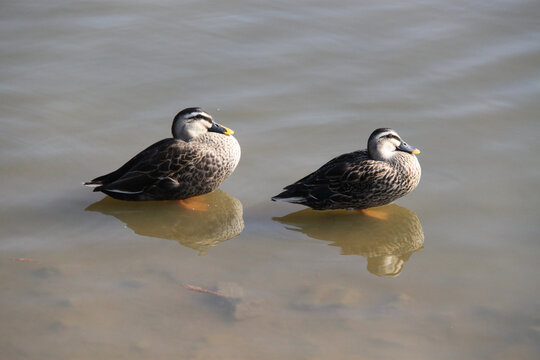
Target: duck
x: 195, y: 161
x: 384, y: 172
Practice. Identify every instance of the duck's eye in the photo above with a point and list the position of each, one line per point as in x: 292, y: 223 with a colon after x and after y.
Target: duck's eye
x: 203, y: 117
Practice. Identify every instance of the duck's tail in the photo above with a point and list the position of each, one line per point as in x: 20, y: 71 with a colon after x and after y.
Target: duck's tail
x: 291, y: 199
x: 93, y: 184
x: 290, y: 195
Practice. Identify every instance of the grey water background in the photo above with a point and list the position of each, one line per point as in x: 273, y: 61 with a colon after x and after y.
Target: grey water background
x: 452, y: 273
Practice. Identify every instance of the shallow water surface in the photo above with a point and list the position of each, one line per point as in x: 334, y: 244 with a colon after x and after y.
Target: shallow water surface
x: 449, y: 271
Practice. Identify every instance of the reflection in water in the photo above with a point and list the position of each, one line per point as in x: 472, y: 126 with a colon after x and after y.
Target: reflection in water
x: 200, y: 230
x: 387, y: 244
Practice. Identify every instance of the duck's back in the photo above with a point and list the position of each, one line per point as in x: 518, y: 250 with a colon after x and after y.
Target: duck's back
x: 354, y: 180
x: 174, y: 169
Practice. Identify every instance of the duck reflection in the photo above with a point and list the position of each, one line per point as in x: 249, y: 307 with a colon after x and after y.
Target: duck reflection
x: 218, y: 218
x: 387, y: 238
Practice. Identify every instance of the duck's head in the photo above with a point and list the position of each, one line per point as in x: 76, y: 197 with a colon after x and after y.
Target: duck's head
x: 192, y: 122
x: 384, y: 143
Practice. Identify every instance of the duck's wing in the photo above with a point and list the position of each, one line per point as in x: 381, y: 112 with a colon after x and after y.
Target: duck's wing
x: 155, y: 166
x: 149, y: 153
x: 333, y: 181
x: 333, y: 170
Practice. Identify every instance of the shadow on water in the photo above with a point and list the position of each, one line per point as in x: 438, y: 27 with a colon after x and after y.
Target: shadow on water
x: 387, y: 240
x: 220, y: 219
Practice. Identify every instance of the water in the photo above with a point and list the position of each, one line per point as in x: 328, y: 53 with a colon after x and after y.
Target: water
x: 454, y: 274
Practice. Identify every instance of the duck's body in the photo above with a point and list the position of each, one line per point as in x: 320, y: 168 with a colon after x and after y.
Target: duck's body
x: 194, y: 162
x: 376, y: 176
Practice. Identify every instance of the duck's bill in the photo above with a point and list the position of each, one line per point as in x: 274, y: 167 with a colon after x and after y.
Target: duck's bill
x: 221, y: 129
x: 408, y: 148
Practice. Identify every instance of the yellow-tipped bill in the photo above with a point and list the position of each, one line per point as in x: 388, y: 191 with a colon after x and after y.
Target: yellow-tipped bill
x: 221, y: 129
x: 230, y: 131
x: 408, y: 148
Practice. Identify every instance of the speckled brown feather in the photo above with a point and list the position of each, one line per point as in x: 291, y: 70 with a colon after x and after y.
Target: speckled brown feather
x: 173, y: 169
x: 354, y: 180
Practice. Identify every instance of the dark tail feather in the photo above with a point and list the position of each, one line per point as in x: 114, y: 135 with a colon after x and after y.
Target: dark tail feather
x: 93, y: 184
x: 289, y: 196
